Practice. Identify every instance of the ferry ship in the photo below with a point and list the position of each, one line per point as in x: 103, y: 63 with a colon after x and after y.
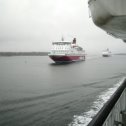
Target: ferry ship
x: 65, y: 52
x: 106, y: 53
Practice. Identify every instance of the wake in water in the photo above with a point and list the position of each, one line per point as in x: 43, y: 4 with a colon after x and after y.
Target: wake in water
x: 86, y: 117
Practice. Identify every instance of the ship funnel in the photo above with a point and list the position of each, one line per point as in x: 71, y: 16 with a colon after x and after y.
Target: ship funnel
x: 74, y: 41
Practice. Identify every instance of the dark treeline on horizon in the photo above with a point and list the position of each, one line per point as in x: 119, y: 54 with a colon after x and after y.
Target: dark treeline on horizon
x: 120, y: 54
x: 23, y: 53
x: 34, y: 53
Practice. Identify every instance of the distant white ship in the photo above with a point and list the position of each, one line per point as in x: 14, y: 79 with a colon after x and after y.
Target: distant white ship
x: 106, y: 53
x: 64, y: 52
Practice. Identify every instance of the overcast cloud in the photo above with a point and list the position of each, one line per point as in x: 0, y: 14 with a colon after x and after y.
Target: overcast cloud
x: 32, y: 25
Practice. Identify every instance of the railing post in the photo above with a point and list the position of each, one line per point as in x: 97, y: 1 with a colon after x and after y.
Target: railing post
x: 123, y: 117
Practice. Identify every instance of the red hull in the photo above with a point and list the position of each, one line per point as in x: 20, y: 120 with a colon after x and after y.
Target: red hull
x: 64, y: 59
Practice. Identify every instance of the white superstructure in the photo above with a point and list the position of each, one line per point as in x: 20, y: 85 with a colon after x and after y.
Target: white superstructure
x: 66, y: 48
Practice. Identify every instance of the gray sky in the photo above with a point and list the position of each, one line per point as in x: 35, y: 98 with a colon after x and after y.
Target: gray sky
x: 32, y: 25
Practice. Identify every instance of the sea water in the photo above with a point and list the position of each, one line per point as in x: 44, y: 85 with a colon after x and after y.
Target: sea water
x: 34, y: 91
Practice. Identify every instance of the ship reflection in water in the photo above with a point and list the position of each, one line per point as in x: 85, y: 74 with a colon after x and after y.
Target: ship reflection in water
x: 34, y: 92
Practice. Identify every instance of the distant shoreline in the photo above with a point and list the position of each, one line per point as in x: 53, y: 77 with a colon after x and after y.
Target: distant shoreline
x: 120, y: 54
x: 23, y: 53
x: 34, y: 54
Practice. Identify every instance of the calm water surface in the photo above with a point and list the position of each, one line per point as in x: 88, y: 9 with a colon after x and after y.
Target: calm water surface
x: 36, y: 92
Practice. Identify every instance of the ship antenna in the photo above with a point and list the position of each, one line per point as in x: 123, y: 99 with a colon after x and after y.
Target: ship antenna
x: 62, y: 38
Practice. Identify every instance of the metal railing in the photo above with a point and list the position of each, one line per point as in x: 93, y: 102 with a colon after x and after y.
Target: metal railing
x: 113, y: 113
